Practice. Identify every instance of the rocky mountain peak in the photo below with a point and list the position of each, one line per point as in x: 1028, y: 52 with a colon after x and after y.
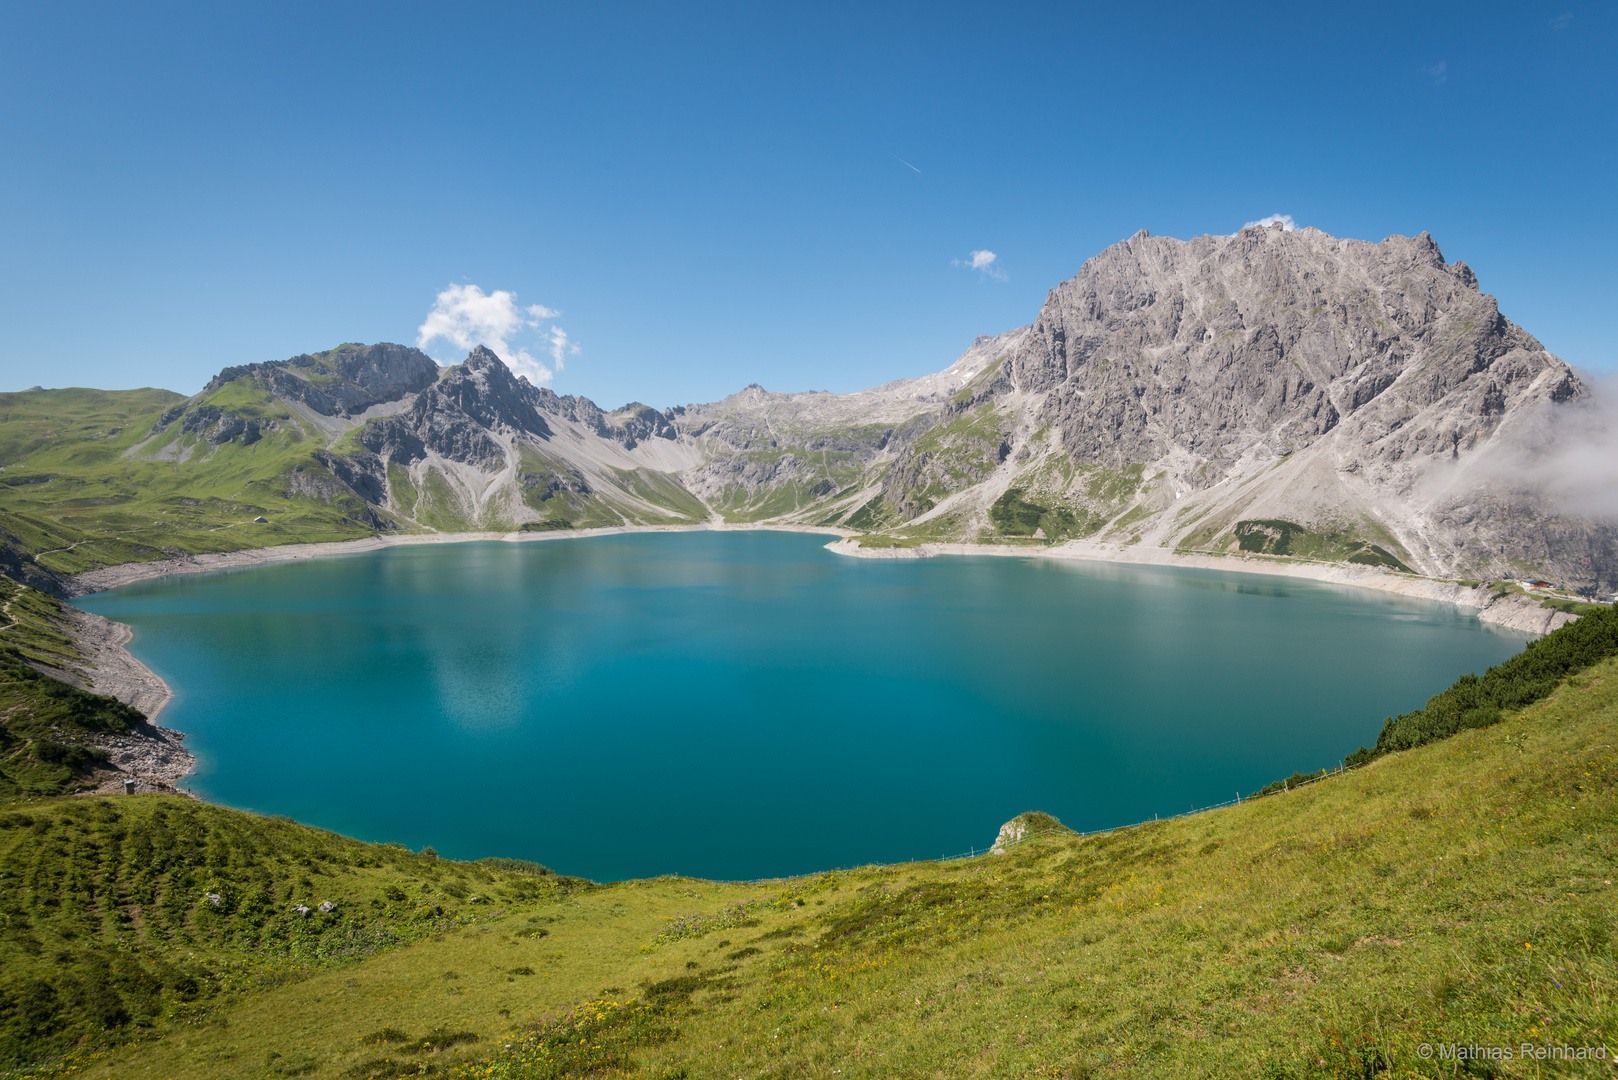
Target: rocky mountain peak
x: 484, y: 388
x: 1278, y: 392
x: 1210, y: 344
x: 342, y: 381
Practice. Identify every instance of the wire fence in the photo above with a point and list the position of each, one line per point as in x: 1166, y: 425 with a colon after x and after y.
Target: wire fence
x: 1287, y: 787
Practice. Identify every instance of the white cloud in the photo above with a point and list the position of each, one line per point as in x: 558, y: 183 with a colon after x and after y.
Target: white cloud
x: 983, y: 263
x: 1439, y: 71
x: 1561, y: 21
x: 560, y: 346
x: 1283, y: 220
x: 466, y: 317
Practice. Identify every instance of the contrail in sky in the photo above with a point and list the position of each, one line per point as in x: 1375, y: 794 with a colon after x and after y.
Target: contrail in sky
x: 902, y: 161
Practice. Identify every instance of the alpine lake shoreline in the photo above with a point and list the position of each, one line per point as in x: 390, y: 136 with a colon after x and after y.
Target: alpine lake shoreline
x: 156, y: 759
x: 1455, y: 894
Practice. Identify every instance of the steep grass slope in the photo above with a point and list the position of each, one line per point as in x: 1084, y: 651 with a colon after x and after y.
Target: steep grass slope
x: 47, y: 727
x: 83, y: 486
x: 1456, y: 893
x: 125, y: 914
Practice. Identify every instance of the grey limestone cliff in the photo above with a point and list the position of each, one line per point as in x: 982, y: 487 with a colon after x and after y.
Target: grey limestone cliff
x: 1343, y: 382
x: 345, y: 381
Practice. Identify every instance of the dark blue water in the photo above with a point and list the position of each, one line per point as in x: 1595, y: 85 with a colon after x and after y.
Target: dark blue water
x: 742, y: 705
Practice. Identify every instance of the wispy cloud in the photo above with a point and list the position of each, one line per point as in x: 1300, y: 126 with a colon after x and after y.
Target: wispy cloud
x: 1565, y: 455
x: 1561, y: 21
x: 559, y: 346
x: 1438, y: 72
x: 466, y: 317
x: 984, y: 263
x: 1283, y: 220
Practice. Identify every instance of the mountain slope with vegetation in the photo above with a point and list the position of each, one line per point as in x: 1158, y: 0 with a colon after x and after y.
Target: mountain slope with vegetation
x: 51, y: 730
x: 1272, y: 394
x: 93, y: 478
x: 1460, y: 892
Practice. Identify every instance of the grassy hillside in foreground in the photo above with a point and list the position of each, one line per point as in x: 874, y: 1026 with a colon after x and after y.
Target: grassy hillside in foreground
x: 1459, y: 892
x: 122, y: 916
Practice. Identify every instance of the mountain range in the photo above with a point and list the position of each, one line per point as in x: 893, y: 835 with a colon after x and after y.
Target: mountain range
x: 1277, y: 392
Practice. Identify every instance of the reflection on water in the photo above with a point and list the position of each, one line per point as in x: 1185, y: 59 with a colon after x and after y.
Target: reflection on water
x: 746, y: 704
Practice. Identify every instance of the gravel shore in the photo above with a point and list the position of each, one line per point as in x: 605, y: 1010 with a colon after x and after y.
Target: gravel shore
x: 1513, y: 611
x: 112, y: 577
x: 153, y: 756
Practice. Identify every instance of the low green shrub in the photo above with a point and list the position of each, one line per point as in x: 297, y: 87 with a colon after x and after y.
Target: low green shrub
x: 1526, y: 678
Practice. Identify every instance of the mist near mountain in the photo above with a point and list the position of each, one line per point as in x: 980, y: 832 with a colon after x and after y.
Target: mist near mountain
x: 1567, y: 452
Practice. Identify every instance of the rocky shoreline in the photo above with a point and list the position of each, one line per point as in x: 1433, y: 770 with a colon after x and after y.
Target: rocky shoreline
x: 111, y: 669
x: 153, y: 756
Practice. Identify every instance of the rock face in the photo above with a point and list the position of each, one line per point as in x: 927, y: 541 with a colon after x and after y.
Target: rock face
x: 1278, y: 338
x: 1360, y: 376
x: 347, y: 380
x: 1212, y: 345
x: 460, y: 417
x: 1275, y: 393
x: 1010, y: 833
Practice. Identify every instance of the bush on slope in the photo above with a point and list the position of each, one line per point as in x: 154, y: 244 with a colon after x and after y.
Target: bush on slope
x: 1529, y: 677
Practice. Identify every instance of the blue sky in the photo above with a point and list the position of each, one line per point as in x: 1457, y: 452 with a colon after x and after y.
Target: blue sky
x: 721, y: 194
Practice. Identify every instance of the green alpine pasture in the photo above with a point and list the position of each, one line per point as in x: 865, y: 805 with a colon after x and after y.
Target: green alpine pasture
x: 1459, y: 892
x: 91, y: 478
x: 124, y: 918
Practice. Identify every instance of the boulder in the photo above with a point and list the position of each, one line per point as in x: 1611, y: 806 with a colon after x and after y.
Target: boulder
x: 1025, y: 827
x: 1011, y: 832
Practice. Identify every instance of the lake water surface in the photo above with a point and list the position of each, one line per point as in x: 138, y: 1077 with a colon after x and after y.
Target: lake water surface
x: 743, y: 705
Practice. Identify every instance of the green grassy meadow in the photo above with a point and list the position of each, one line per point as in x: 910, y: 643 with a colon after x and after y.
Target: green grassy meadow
x: 1460, y: 892
x: 86, y: 483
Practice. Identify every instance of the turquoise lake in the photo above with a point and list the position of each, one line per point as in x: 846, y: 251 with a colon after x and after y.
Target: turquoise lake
x: 746, y: 705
